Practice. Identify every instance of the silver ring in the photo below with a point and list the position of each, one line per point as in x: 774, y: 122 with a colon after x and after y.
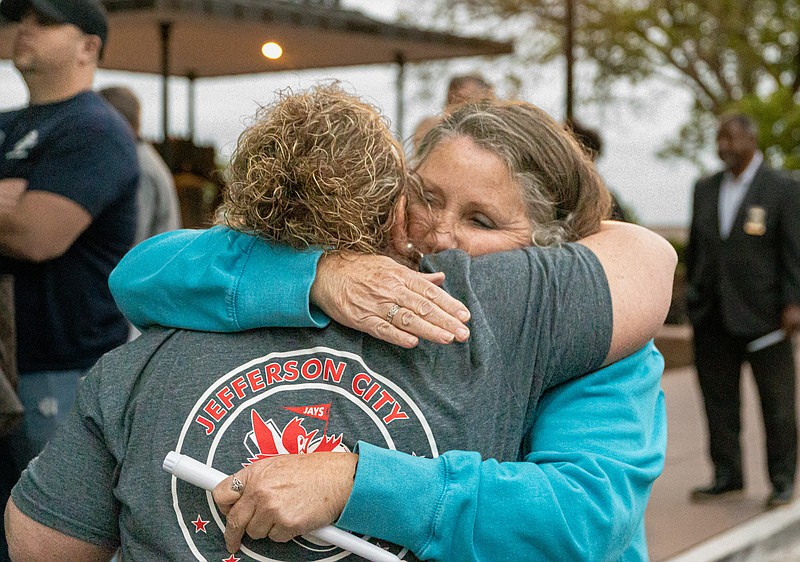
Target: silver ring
x: 392, y: 312
x: 237, y: 485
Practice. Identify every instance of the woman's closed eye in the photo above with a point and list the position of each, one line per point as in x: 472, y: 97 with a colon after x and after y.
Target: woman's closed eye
x: 482, y: 221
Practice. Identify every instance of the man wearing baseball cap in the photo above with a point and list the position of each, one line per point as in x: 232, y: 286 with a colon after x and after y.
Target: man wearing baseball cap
x: 87, y: 15
x: 68, y: 177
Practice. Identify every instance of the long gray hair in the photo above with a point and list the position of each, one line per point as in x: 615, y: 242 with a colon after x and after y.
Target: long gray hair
x: 564, y: 195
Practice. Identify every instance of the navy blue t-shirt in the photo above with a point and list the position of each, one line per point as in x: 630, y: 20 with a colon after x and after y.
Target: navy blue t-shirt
x: 81, y: 149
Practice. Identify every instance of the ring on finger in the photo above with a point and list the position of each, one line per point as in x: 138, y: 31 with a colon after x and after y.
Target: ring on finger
x: 392, y: 312
x: 237, y: 486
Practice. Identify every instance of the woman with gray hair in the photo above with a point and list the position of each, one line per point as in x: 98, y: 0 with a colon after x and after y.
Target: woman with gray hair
x: 562, y: 194
x: 495, y: 176
x: 583, y: 457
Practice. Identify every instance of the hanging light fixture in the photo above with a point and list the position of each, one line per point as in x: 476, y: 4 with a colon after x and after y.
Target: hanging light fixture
x: 272, y: 50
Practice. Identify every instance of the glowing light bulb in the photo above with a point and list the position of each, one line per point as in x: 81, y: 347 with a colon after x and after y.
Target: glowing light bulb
x: 272, y: 50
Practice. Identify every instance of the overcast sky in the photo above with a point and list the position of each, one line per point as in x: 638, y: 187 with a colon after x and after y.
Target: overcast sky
x: 658, y: 191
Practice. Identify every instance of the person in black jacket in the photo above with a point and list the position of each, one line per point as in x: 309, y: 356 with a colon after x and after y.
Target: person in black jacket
x: 743, y: 299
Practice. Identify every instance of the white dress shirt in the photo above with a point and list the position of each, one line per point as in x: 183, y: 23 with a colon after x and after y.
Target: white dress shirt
x: 732, y: 192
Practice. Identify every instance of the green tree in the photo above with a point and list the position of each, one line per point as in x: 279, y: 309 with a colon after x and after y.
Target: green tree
x: 778, y: 115
x: 731, y: 54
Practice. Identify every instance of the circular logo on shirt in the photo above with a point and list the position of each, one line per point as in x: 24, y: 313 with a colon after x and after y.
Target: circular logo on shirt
x: 289, y: 403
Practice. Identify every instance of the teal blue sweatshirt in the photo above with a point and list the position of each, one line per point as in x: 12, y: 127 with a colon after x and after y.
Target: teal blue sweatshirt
x: 596, y: 448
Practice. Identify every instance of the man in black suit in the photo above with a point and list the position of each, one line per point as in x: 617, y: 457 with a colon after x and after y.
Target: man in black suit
x: 743, y: 268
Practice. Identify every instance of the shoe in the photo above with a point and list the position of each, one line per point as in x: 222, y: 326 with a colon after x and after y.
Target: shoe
x: 716, y: 491
x: 779, y: 497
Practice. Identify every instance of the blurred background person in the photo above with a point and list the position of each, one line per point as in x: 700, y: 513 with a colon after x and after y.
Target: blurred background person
x: 592, y: 142
x: 156, y: 199
x: 68, y: 175
x: 743, y: 269
x: 464, y: 88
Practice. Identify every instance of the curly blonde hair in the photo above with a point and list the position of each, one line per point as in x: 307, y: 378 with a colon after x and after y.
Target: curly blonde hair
x: 317, y: 168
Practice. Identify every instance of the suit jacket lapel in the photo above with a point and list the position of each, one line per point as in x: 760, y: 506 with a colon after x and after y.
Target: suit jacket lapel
x: 713, y: 194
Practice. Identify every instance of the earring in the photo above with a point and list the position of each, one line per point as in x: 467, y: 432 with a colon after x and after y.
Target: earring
x: 415, y: 254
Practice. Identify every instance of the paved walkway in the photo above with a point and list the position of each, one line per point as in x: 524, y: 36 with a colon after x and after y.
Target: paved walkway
x: 673, y: 523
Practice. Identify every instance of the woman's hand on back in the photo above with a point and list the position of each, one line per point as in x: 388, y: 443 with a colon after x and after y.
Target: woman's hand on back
x: 286, y: 495
x: 378, y: 296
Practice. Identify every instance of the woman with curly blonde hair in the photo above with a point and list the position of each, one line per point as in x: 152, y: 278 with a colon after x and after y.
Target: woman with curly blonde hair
x: 317, y: 168
x: 577, y: 463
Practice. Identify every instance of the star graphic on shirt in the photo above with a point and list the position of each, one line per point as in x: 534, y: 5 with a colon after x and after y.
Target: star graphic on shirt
x: 231, y: 558
x: 200, y: 525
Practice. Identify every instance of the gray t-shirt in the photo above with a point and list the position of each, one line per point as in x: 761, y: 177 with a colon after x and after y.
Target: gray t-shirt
x: 539, y: 317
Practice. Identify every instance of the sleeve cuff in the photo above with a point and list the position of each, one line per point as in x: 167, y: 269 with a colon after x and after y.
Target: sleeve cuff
x: 274, y: 286
x: 401, y: 510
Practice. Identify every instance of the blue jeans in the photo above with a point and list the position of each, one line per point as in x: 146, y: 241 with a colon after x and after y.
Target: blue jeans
x: 48, y: 397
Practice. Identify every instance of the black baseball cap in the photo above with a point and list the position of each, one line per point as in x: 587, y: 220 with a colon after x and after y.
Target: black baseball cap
x: 87, y: 15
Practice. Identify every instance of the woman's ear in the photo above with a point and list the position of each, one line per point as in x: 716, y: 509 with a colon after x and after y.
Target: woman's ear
x: 399, y: 230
